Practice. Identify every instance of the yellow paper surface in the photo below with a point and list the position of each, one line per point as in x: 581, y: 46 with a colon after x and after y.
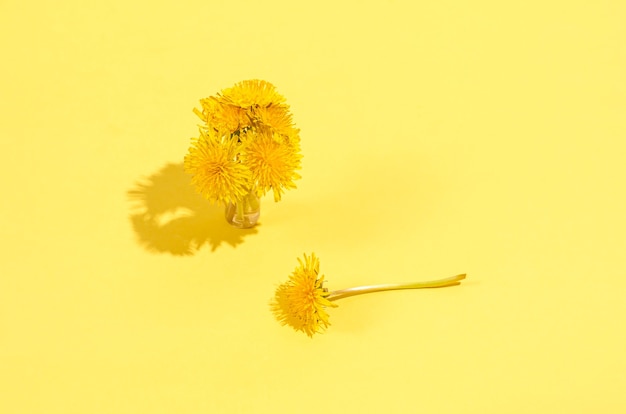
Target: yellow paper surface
x: 484, y: 137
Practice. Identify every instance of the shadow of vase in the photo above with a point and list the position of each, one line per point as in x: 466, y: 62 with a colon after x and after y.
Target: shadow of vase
x: 169, y: 216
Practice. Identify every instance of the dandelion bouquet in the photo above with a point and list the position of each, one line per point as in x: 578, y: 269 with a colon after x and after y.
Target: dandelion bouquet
x: 301, y: 302
x: 247, y: 146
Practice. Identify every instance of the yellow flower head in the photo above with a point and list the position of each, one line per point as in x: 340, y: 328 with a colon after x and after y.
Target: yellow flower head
x: 273, y: 162
x: 301, y: 301
x: 252, y: 92
x: 222, y: 116
x: 278, y: 118
x: 216, y: 172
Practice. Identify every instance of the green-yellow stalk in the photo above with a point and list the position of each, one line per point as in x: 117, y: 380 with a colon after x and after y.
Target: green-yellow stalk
x: 359, y: 290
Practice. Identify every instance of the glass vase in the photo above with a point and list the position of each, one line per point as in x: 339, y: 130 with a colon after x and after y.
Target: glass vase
x: 245, y: 213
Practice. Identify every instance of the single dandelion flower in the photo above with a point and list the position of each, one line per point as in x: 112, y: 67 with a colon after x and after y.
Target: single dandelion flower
x: 301, y: 302
x: 221, y: 116
x: 216, y: 172
x: 273, y: 162
x: 277, y: 118
x: 253, y: 92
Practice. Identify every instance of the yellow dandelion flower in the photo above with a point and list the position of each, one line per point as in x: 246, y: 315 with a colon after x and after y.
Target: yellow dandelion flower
x: 272, y: 163
x: 301, y: 301
x: 276, y: 117
x: 222, y: 116
x: 216, y: 172
x: 252, y: 92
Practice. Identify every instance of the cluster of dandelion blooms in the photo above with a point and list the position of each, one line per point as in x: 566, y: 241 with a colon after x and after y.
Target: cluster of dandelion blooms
x: 247, y: 143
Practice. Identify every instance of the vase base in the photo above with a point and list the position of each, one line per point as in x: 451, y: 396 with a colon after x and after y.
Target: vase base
x: 241, y: 221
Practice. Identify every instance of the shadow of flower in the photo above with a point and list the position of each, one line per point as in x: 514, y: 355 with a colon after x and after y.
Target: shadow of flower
x: 170, y: 217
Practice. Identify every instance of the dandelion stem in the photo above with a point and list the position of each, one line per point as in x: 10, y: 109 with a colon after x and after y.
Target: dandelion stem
x: 359, y: 290
x: 240, y: 210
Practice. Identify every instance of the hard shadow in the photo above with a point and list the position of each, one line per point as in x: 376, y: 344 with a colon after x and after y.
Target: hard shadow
x: 169, y: 216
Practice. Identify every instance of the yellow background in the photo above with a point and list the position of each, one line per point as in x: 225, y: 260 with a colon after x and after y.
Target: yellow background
x: 444, y: 137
